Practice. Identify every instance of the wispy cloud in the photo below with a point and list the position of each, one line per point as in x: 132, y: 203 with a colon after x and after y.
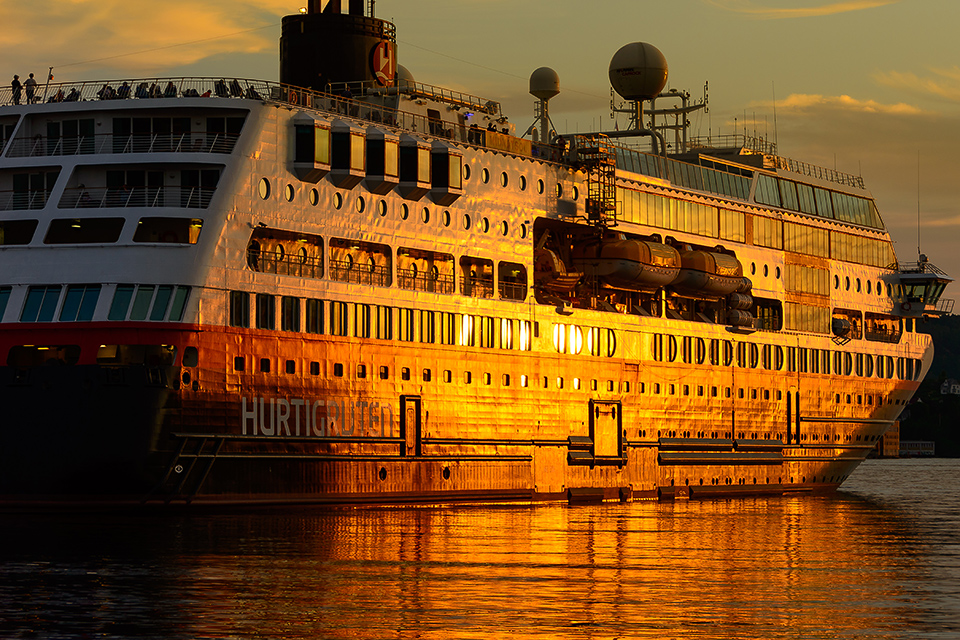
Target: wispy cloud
x: 804, y: 101
x: 134, y: 36
x: 760, y: 10
x: 942, y: 83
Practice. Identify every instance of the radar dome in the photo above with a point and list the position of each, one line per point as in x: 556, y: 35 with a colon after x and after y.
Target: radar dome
x: 544, y: 83
x: 404, y: 77
x: 638, y: 71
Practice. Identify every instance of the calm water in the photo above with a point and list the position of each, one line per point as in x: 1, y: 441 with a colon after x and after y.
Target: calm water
x: 881, y: 559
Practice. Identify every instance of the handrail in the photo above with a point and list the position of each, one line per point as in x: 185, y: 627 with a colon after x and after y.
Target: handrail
x: 110, y: 197
x: 193, y: 142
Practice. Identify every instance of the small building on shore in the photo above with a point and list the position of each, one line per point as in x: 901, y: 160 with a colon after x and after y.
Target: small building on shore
x: 917, y: 449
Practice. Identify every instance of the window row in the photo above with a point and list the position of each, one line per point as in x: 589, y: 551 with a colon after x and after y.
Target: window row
x: 78, y: 302
x: 356, y: 261
x: 360, y: 320
x: 816, y: 201
x: 102, y: 230
x: 746, y: 355
x: 571, y: 338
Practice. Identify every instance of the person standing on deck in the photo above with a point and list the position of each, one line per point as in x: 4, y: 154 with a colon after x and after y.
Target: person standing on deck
x: 31, y: 87
x: 17, y: 87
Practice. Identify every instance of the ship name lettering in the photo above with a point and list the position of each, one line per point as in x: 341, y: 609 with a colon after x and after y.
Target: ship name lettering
x: 324, y: 418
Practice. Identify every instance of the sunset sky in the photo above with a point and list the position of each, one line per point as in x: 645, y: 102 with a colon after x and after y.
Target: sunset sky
x: 869, y: 87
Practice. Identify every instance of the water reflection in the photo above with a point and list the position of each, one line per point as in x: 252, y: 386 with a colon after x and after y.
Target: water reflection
x: 844, y: 565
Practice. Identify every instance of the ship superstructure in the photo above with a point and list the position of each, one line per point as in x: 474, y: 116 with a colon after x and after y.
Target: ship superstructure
x: 353, y: 287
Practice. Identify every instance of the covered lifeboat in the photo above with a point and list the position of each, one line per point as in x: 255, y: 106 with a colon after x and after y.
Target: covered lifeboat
x: 624, y: 263
x: 708, y: 274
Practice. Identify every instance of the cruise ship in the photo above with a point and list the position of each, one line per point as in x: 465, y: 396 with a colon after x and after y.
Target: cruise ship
x: 351, y: 287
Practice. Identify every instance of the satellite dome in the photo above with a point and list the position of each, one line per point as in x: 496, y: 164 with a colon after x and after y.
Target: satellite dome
x: 638, y: 71
x: 544, y: 83
x: 404, y: 77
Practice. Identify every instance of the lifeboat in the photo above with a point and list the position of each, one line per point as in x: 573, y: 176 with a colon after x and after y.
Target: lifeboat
x: 707, y: 274
x: 628, y: 264
x: 550, y: 274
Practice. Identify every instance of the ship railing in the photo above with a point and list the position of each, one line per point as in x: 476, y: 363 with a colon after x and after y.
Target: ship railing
x: 16, y: 200
x: 356, y: 273
x: 194, y: 142
x: 414, y: 90
x: 287, y: 265
x: 143, y: 89
x: 883, y: 334
x: 111, y: 197
x: 512, y: 290
x: 425, y: 281
x: 919, y: 267
x: 476, y: 287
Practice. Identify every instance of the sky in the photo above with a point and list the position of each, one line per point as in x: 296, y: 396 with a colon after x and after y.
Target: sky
x: 868, y: 87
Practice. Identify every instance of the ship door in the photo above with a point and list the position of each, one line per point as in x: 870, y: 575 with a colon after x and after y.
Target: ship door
x: 410, y: 425
x: 605, y: 429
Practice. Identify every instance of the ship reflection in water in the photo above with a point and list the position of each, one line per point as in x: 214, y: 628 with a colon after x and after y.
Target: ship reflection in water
x: 879, y: 561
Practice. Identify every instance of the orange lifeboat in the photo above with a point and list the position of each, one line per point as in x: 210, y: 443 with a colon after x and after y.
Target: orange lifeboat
x: 707, y: 274
x: 628, y: 264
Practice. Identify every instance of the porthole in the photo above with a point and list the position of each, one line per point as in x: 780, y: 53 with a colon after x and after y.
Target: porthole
x: 288, y: 193
x: 264, y: 188
x: 523, y: 183
x: 485, y: 225
x: 766, y: 271
x: 413, y: 271
x: 371, y: 265
x: 523, y: 230
x: 337, y: 201
x: 314, y: 197
x: 504, y: 180
x: 466, y: 221
x: 778, y: 273
x: 559, y: 190
x: 466, y: 172
x: 540, y: 186
x: 753, y: 268
x: 576, y: 192
x: 836, y: 282
x: 846, y: 283
x: 484, y: 176
x: 858, y: 285
x: 504, y: 228
x: 302, y: 255
x: 879, y: 288
x: 361, y: 204
x: 382, y: 208
x: 869, y: 286
x: 279, y: 252
x: 404, y: 211
x: 446, y: 218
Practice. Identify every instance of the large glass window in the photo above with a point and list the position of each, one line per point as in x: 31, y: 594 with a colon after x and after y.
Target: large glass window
x: 80, y: 302
x: 239, y: 309
x: 41, y: 304
x: 266, y: 311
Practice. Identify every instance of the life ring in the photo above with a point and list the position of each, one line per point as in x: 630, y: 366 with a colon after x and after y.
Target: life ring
x: 906, y: 306
x: 294, y: 97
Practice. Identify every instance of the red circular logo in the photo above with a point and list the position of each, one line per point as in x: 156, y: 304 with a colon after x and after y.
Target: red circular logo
x: 383, y: 62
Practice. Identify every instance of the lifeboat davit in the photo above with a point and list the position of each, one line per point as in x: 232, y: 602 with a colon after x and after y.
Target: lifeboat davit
x: 707, y: 274
x: 628, y: 264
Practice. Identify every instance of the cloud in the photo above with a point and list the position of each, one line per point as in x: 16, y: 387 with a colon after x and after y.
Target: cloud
x: 806, y: 102
x: 133, y: 36
x: 756, y: 10
x: 944, y: 83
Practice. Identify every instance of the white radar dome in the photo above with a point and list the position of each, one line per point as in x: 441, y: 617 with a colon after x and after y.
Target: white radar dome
x: 638, y: 71
x: 544, y: 83
x: 404, y: 77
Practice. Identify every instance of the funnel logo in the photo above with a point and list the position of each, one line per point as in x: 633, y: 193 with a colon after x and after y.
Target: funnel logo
x: 384, y: 63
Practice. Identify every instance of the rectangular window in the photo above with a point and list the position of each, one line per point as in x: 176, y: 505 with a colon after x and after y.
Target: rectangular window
x: 239, y: 306
x: 339, y: 321
x: 238, y: 363
x: 41, y: 304
x: 4, y: 296
x: 314, y: 313
x: 428, y: 327
x: 141, y: 302
x: 179, y: 304
x: 161, y: 302
x: 266, y: 311
x: 362, y: 321
x: 406, y: 330
x: 168, y: 230
x: 289, y: 313
x: 80, y: 303
x: 384, y: 322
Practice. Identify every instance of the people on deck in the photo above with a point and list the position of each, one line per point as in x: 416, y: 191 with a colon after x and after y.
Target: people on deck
x: 17, y: 89
x: 30, y: 86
